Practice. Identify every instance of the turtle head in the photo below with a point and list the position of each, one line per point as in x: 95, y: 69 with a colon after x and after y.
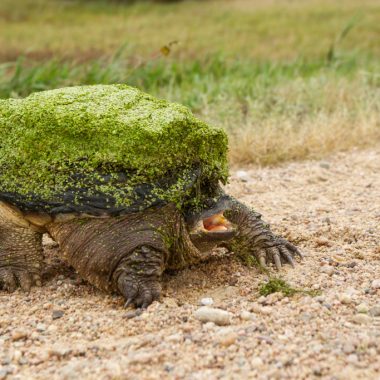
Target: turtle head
x: 209, y: 227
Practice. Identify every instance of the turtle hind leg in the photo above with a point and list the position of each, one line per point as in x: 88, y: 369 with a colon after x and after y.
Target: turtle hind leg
x: 21, y: 254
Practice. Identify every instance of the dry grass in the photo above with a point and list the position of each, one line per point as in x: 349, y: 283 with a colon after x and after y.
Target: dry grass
x: 319, y: 117
x: 309, y: 139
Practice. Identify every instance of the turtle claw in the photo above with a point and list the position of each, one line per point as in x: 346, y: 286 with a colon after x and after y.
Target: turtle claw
x: 128, y: 303
x: 281, y: 253
x: 139, y: 292
x: 276, y: 258
x: 262, y: 261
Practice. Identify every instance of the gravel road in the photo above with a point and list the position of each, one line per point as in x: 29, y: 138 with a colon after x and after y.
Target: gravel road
x: 330, y: 209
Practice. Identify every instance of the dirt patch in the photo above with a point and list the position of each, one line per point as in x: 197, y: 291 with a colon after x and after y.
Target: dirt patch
x: 331, y: 209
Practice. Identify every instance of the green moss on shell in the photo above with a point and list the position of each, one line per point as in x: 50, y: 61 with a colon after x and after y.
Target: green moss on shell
x: 50, y: 136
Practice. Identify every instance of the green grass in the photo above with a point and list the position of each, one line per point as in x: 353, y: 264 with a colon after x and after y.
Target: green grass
x: 275, y: 285
x: 259, y: 30
x: 286, y: 79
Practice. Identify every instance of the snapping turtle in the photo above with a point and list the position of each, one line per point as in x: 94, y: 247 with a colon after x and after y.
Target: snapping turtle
x: 128, y: 186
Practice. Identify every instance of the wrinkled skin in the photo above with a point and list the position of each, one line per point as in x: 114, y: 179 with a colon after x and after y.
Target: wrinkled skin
x: 128, y: 254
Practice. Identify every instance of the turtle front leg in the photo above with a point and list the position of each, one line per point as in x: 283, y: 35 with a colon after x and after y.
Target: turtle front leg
x: 255, y: 238
x: 21, y: 255
x: 138, y: 276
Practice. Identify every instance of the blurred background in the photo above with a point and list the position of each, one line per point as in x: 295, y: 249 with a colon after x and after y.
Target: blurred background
x: 287, y: 79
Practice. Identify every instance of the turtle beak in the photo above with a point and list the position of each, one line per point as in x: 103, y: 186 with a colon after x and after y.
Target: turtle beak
x: 211, y: 231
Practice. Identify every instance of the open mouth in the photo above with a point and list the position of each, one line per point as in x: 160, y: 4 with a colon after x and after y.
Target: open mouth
x: 216, y: 223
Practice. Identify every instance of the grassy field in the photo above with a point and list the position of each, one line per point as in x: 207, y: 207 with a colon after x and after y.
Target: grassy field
x: 287, y: 79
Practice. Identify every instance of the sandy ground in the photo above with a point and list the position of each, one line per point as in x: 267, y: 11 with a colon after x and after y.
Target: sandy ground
x: 331, y: 209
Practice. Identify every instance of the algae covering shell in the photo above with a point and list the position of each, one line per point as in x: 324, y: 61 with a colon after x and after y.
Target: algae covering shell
x: 105, y: 148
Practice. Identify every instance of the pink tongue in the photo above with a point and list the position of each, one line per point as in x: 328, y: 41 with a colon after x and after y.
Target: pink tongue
x: 217, y: 228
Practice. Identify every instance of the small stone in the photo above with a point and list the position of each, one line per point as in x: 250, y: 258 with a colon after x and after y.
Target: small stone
x: 242, y: 175
x: 52, y: 328
x: 3, y: 373
x: 375, y: 311
x: 362, y: 308
x: 262, y: 300
x: 69, y: 371
x: 41, y: 327
x: 257, y: 362
x: 228, y: 338
x: 353, y: 358
x: 375, y: 284
x: 361, y: 319
x: 207, y: 301
x: 348, y: 348
x: 265, y: 338
x: 324, y: 165
x: 6, y: 360
x: 57, y: 314
x: 132, y: 313
x: 170, y: 302
x: 345, y: 299
x: 266, y: 310
x: 209, y: 314
x: 175, y: 338
x: 318, y: 371
x: 247, y: 316
x: 59, y: 351
x: 208, y: 326
x: 327, y: 269
x: 18, y: 335
x: 17, y: 355
x: 323, y: 242
x: 142, y: 357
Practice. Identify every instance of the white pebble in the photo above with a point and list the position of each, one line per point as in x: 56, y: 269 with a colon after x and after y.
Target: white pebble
x: 345, y: 299
x: 142, y: 357
x: 362, y: 308
x: 375, y: 311
x: 207, y: 301
x: 41, y: 327
x: 376, y: 284
x: 17, y: 355
x: 227, y: 338
x: 327, y: 269
x: 208, y: 326
x: 353, y: 358
x: 361, y: 319
x: 257, y: 362
x: 210, y: 314
x: 247, y: 316
x: 242, y: 175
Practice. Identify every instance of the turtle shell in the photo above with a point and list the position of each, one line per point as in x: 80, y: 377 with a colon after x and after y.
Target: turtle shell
x: 105, y: 149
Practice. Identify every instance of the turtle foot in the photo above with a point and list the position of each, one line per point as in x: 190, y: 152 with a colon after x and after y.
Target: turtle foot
x: 139, y: 292
x: 139, y: 276
x: 13, y: 278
